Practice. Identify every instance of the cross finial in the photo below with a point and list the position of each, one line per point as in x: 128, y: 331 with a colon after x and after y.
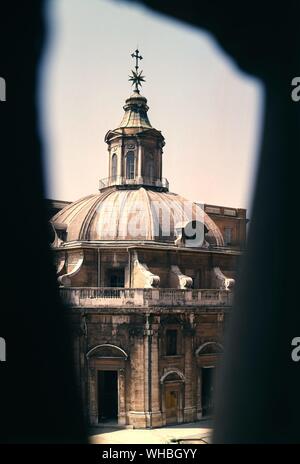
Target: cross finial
x: 136, y: 76
x: 137, y: 58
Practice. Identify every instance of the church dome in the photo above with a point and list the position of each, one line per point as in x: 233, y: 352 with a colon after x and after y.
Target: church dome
x: 132, y: 215
x: 134, y: 203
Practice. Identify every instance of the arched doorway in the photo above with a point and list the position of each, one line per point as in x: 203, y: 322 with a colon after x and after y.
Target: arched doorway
x: 172, y: 396
x: 107, y: 369
x: 208, y: 355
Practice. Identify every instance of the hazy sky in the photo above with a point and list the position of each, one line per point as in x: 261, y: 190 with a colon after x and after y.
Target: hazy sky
x: 208, y: 112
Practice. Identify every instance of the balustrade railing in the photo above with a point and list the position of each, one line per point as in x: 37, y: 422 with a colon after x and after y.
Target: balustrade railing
x: 119, y: 180
x: 108, y: 296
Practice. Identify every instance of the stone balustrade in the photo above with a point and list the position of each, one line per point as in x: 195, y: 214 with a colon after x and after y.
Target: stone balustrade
x: 148, y: 181
x: 131, y: 297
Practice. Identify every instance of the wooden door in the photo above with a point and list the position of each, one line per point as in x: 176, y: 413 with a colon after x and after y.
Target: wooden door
x: 171, y: 404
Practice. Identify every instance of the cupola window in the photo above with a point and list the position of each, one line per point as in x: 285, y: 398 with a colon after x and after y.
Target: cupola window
x: 114, y: 161
x: 130, y: 165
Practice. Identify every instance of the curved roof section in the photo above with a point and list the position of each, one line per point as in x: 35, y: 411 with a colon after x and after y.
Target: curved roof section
x: 135, y: 215
x: 135, y: 120
x: 136, y: 112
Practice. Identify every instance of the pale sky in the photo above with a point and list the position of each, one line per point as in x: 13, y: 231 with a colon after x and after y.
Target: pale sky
x: 209, y: 112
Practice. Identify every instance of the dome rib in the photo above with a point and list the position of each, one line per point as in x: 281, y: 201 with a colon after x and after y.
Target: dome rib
x: 86, y: 224
x: 151, y: 231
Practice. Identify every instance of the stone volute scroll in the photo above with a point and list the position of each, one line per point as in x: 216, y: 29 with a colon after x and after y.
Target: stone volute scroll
x: 65, y: 280
x: 142, y: 276
x: 178, y: 279
x: 223, y: 282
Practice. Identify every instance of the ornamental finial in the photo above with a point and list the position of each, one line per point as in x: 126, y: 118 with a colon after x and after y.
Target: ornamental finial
x: 136, y: 76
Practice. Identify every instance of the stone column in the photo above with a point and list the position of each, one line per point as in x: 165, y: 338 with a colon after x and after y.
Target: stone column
x: 83, y: 364
x: 147, y: 379
x: 139, y: 162
x: 189, y: 400
x: 137, y: 415
x: 155, y: 381
x: 93, y: 405
x: 121, y: 157
x: 160, y: 164
x: 199, y: 393
x: 121, y: 397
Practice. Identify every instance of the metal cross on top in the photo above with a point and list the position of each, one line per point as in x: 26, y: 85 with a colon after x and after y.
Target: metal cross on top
x: 136, y: 76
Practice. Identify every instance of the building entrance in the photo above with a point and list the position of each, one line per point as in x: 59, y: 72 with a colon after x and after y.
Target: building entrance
x: 107, y: 396
x: 171, y: 403
x: 207, y: 390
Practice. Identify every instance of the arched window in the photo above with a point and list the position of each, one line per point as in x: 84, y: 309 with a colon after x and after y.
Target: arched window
x: 130, y: 165
x: 114, y: 161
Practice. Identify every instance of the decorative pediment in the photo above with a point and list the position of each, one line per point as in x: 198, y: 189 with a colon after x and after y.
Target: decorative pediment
x: 173, y: 375
x: 209, y: 348
x: 107, y: 350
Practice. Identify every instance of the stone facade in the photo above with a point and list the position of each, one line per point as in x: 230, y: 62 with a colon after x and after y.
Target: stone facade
x: 125, y: 330
x: 132, y: 342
